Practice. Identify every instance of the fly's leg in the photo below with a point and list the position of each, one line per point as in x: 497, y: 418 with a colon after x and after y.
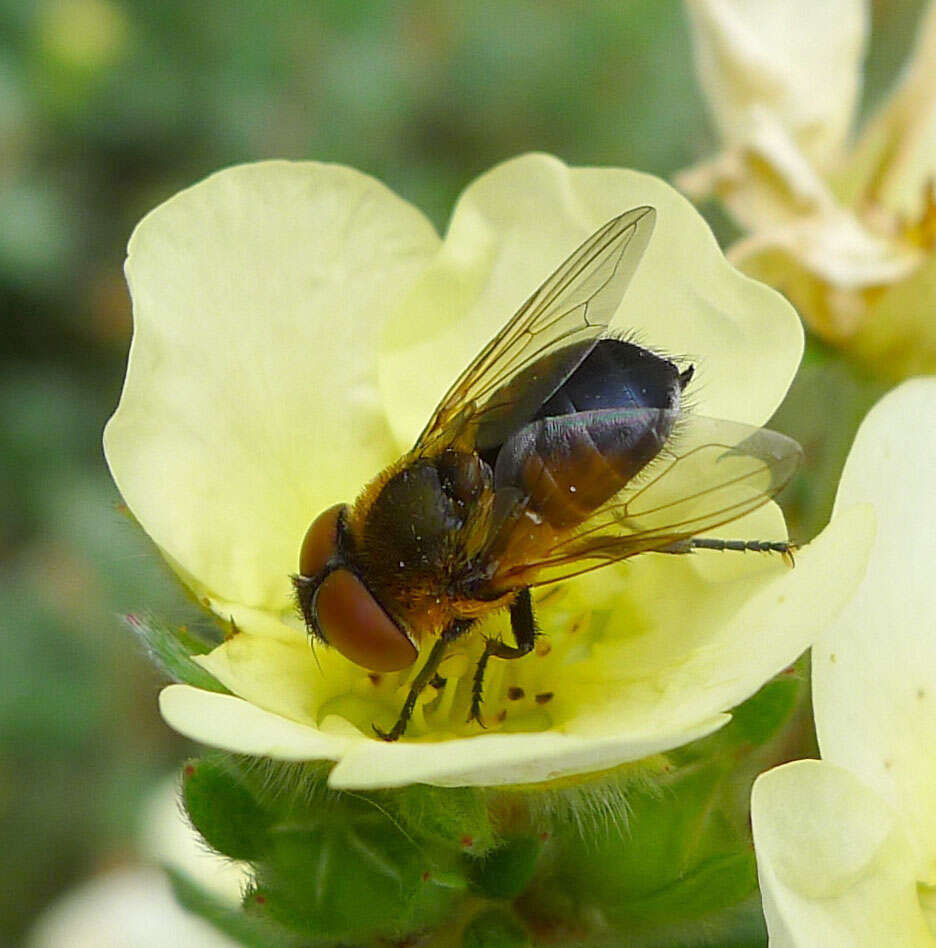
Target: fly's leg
x: 784, y: 547
x: 426, y: 675
x: 524, y: 630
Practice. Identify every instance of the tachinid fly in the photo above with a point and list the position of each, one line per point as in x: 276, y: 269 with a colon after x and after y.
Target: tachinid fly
x: 560, y: 449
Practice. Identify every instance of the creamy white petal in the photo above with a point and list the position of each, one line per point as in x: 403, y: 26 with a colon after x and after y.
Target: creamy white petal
x: 763, y: 176
x: 364, y: 762
x: 798, y: 59
x: 514, y: 225
x: 684, y: 648
x: 874, y: 669
x: 251, y: 401
x: 833, y: 247
x: 835, y: 867
x: 236, y: 725
x: 125, y: 907
x: 894, y: 162
x: 503, y: 759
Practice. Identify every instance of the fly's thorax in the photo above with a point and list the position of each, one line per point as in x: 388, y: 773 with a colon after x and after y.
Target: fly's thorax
x: 418, y: 530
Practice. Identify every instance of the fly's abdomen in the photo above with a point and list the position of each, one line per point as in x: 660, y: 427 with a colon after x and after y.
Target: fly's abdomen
x: 600, y: 428
x: 567, y: 466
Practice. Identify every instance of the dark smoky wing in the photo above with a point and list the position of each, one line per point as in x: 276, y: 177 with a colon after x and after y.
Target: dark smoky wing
x: 569, y: 312
x: 709, y: 473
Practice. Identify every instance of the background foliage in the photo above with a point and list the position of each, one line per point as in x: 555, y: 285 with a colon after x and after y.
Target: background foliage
x: 109, y: 106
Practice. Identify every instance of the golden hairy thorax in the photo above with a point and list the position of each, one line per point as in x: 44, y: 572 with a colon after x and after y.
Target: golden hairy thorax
x: 422, y: 551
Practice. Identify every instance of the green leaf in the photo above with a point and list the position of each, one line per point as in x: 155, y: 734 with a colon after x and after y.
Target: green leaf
x: 170, y: 649
x: 246, y: 930
x: 507, y: 871
x: 223, y: 809
x: 495, y: 928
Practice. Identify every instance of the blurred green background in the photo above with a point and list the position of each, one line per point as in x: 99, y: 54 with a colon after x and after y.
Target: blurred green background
x: 107, y: 107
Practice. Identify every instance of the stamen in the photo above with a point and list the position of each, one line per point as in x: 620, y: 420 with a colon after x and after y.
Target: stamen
x: 444, y: 710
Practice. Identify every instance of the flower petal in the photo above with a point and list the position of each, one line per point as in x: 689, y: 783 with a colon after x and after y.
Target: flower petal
x: 124, y: 906
x: 798, y: 60
x: 495, y: 760
x: 250, y: 401
x: 680, y: 648
x: 928, y: 904
x: 894, y: 162
x: 236, y: 725
x: 516, y: 224
x: 832, y: 247
x: 803, y: 241
x: 366, y: 763
x: 762, y: 177
x: 898, y: 336
x: 874, y: 669
x: 835, y: 867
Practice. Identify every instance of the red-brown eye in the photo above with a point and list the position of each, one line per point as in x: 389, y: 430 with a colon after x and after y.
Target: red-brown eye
x: 352, y: 621
x: 320, y: 542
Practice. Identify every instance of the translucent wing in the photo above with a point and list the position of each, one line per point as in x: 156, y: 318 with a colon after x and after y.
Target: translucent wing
x: 562, y: 320
x: 709, y: 473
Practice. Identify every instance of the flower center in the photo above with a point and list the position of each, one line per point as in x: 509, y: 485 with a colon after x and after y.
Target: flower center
x: 519, y: 695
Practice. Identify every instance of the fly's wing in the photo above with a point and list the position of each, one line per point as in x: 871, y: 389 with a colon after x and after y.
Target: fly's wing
x: 560, y: 322
x: 708, y: 473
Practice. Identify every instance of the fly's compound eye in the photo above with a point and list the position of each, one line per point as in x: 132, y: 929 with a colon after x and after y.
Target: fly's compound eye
x: 320, y: 542
x: 352, y: 621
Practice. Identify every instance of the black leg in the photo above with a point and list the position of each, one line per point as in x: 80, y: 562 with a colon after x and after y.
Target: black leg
x: 524, y: 630
x: 426, y: 675
x: 784, y: 547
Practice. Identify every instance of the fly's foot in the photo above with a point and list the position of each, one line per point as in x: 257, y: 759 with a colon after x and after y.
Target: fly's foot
x: 475, y: 714
x: 392, y: 735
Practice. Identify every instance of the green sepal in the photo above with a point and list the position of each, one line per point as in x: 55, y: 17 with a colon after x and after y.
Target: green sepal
x: 713, y: 886
x: 223, y: 809
x: 678, y: 859
x: 350, y: 872
x: 754, y: 723
x: 506, y: 871
x: 495, y: 928
x: 763, y: 714
x: 245, y: 929
x: 170, y: 649
x: 457, y: 818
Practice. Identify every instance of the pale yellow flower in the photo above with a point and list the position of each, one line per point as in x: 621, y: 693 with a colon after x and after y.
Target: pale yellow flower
x: 846, y: 846
x: 846, y: 230
x: 295, y: 325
